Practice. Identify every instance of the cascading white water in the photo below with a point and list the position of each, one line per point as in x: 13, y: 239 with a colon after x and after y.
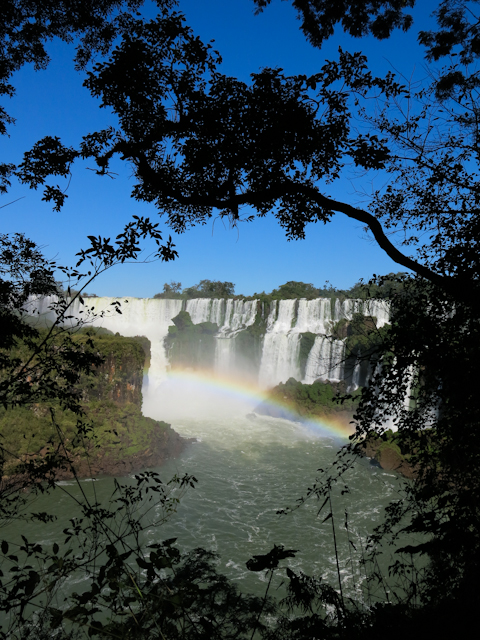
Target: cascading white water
x: 286, y: 316
x: 224, y: 355
x: 379, y: 309
x: 239, y: 314
x: 272, y: 316
x: 347, y: 308
x: 286, y: 322
x: 205, y: 310
x: 279, y: 358
x: 280, y: 347
x: 314, y: 316
x: 356, y: 375
x: 325, y: 360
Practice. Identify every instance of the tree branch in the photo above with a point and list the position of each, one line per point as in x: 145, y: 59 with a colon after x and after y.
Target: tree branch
x: 256, y: 198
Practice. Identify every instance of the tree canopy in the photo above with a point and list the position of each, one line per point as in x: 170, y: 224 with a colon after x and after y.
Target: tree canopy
x: 201, y: 143
x: 296, y: 290
x: 27, y: 26
x: 211, y: 289
x: 457, y: 29
x: 377, y: 17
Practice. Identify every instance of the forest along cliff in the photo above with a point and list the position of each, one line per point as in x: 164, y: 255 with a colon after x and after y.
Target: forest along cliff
x: 118, y: 439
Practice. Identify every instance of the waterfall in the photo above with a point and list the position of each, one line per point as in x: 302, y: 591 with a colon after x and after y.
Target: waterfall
x: 279, y: 358
x: 356, y: 375
x: 325, y: 360
x: 285, y: 318
x: 348, y: 308
x: 314, y: 316
x: 272, y: 316
x: 225, y: 355
x: 281, y: 346
x: 276, y: 354
x: 379, y: 309
x: 239, y: 315
x: 205, y: 310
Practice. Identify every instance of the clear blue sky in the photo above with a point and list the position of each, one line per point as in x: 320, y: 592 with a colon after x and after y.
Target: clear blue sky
x: 254, y: 256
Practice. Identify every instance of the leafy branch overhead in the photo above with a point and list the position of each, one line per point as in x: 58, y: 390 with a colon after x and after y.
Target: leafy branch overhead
x: 202, y: 142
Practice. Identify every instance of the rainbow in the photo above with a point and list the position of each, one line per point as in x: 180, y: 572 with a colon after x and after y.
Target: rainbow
x: 251, y: 395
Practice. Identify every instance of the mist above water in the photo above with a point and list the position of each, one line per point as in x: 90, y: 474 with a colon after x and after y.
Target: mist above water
x: 196, y: 398
x: 248, y: 468
x: 281, y: 327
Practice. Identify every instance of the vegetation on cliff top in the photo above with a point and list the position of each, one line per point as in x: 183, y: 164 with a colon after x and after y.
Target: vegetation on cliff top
x: 110, y: 397
x: 320, y: 399
x: 390, y: 285
x: 204, y: 289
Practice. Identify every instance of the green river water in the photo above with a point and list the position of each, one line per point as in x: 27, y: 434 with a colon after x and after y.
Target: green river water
x: 248, y: 469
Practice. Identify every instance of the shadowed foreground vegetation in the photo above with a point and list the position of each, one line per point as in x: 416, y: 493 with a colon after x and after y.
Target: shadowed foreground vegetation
x: 201, y: 146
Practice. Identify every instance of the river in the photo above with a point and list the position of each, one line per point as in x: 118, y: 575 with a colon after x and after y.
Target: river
x: 248, y: 467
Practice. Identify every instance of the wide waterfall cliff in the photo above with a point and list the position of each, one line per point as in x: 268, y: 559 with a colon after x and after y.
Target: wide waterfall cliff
x: 267, y: 343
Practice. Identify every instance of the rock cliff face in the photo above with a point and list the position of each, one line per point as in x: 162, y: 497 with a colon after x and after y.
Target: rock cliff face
x: 124, y: 440
x: 118, y: 439
x: 119, y: 379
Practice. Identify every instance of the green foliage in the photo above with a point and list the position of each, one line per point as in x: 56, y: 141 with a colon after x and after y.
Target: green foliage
x: 115, y: 433
x: 293, y: 289
x: 210, y: 289
x: 24, y: 272
x: 363, y: 336
x: 390, y: 285
x: 110, y: 400
x: 386, y: 287
x: 204, y: 289
x: 183, y: 321
x: 191, y: 345
x: 170, y: 291
x: 314, y: 400
x: 340, y: 329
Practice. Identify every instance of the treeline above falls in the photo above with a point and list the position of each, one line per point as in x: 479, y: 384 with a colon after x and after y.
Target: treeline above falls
x: 268, y: 343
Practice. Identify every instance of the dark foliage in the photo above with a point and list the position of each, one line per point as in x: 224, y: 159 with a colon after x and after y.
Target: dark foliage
x: 377, y: 17
x: 210, y: 289
x: 27, y: 26
x: 198, y: 142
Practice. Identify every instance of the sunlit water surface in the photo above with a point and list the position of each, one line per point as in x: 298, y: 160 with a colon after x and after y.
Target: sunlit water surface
x: 248, y: 469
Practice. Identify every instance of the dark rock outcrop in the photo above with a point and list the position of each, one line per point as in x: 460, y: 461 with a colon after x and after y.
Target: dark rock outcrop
x: 388, y: 456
